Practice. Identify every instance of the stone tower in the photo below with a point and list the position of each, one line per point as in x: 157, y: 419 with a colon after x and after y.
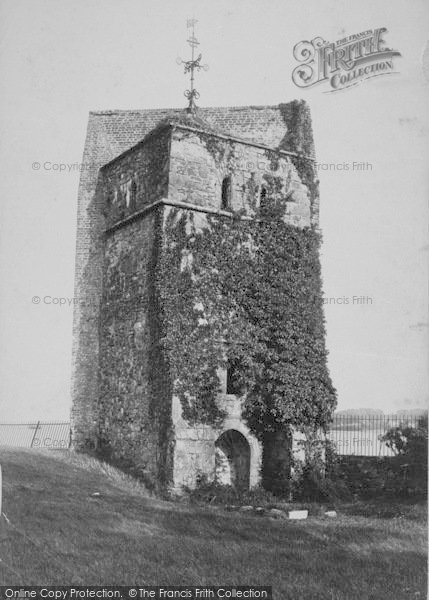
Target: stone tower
x: 139, y: 166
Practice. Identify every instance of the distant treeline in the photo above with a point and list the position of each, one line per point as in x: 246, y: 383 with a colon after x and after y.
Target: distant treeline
x: 417, y: 412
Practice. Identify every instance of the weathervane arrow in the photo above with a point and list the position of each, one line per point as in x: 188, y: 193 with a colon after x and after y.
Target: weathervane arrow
x: 190, y: 66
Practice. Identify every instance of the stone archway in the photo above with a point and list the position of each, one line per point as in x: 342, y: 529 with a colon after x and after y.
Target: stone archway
x: 232, y: 459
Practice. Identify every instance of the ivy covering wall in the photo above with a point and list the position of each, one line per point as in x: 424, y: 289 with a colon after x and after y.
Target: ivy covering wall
x: 247, y: 290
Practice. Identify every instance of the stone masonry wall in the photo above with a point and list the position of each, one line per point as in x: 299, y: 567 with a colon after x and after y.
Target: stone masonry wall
x: 137, y: 178
x: 87, y: 290
x: 120, y: 389
x: 110, y: 133
x: 133, y: 409
x: 133, y: 403
x: 199, y: 162
x: 194, y: 448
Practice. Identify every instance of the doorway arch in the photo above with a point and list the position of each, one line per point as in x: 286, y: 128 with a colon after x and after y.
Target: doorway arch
x: 232, y: 460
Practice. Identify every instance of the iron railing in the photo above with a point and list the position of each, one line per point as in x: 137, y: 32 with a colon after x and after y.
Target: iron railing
x: 352, y: 435
x: 359, y: 435
x: 50, y: 436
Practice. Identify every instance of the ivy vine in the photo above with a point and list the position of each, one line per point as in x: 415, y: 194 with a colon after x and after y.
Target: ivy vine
x: 252, y: 287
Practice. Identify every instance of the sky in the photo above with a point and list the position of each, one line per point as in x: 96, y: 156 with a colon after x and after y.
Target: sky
x: 61, y: 59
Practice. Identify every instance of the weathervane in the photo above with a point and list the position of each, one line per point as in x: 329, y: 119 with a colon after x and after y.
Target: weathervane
x: 192, y: 65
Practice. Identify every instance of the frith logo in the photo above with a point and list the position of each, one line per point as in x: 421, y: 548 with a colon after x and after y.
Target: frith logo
x: 344, y: 63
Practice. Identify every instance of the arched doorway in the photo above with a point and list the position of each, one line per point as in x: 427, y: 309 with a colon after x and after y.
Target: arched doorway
x: 232, y: 459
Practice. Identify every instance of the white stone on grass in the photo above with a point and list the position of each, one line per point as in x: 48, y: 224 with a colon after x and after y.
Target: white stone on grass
x: 276, y: 513
x: 298, y: 514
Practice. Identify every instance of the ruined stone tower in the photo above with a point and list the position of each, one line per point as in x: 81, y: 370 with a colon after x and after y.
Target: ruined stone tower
x: 139, y: 166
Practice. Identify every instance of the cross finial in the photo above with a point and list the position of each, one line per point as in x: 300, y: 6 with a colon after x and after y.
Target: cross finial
x: 192, y: 65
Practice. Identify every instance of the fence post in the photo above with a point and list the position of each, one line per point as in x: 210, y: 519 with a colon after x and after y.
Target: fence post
x: 35, y: 432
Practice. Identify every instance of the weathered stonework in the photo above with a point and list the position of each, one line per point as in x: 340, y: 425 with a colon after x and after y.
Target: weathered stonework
x: 196, y: 175
x: 142, y: 163
x: 126, y: 419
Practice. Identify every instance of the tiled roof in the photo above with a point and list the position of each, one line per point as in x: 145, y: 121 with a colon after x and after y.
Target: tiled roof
x: 119, y: 130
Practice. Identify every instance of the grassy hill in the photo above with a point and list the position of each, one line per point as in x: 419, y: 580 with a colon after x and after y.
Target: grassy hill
x: 72, y: 520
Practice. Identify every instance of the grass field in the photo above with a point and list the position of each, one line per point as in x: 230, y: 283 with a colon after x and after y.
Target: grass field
x: 58, y: 532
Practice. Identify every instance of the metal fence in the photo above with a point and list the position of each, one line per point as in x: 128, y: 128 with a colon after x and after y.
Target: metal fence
x: 353, y: 435
x: 50, y: 436
x: 359, y: 435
